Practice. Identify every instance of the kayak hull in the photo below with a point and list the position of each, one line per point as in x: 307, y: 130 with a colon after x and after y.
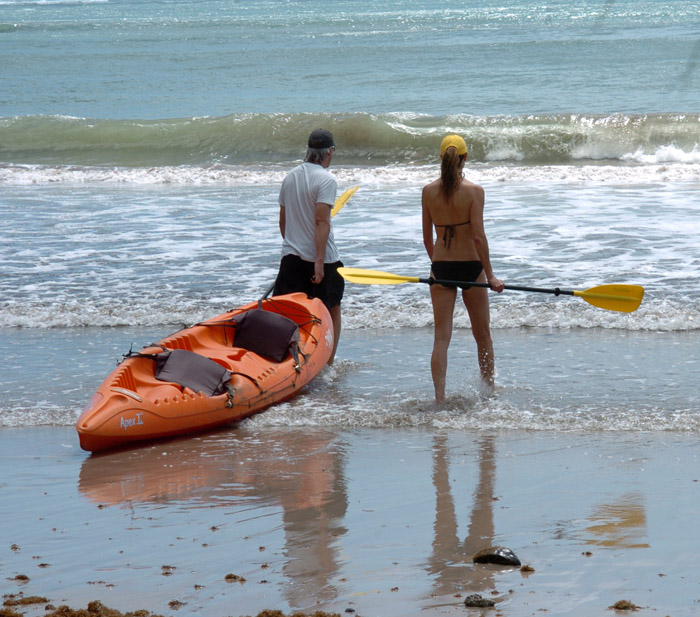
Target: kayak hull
x: 133, y: 406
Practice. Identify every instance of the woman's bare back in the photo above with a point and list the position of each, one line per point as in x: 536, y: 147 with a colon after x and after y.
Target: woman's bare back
x: 453, y: 220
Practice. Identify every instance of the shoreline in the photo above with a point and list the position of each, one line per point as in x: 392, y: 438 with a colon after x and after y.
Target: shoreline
x: 370, y: 522
x: 576, y: 380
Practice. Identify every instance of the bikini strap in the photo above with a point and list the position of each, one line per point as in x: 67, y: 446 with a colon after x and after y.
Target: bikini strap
x: 449, y: 232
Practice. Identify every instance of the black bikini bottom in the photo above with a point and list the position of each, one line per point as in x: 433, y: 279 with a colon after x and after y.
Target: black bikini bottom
x: 458, y: 271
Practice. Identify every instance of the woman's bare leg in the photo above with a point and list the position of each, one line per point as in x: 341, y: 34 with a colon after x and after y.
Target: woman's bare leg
x: 443, y: 299
x: 476, y: 299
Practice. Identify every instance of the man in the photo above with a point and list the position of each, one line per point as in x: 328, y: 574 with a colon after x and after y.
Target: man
x: 310, y: 259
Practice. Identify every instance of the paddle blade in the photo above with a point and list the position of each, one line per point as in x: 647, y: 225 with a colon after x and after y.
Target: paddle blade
x: 374, y: 277
x: 623, y: 298
x: 343, y: 199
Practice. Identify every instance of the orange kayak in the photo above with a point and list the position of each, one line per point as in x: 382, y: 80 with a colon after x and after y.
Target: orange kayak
x: 216, y: 372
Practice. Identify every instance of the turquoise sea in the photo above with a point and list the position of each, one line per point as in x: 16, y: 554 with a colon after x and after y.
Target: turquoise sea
x: 167, y: 59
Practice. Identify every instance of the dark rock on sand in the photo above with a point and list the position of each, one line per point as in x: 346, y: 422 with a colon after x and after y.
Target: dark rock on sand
x: 476, y: 601
x: 499, y: 555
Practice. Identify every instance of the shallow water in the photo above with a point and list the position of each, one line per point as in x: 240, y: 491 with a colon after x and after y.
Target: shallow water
x: 577, y: 380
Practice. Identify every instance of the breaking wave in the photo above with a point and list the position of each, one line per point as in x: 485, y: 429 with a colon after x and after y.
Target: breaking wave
x: 363, y: 139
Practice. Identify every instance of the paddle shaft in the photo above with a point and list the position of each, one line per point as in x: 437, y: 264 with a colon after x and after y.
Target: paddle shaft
x: 556, y: 291
x: 267, y: 293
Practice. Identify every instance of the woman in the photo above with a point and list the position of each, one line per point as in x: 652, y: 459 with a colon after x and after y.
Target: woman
x: 455, y: 207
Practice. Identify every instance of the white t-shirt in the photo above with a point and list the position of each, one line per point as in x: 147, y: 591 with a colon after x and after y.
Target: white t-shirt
x: 304, y: 187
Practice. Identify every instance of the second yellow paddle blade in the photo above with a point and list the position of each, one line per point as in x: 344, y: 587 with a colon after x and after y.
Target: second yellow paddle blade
x: 623, y: 298
x: 374, y: 277
x: 343, y: 199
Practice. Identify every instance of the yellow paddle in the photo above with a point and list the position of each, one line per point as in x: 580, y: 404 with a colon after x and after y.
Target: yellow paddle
x: 623, y: 298
x: 343, y: 199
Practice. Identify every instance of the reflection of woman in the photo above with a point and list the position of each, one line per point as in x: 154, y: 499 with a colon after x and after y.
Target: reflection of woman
x: 450, y: 562
x: 455, y: 207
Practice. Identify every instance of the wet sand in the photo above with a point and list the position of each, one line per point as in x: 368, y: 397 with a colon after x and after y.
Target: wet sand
x: 367, y: 522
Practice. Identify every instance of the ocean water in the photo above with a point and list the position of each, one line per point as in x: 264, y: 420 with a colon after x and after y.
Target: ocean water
x: 158, y: 59
x: 142, y: 145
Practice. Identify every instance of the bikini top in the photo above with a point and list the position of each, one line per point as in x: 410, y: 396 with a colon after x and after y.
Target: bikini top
x: 449, y: 232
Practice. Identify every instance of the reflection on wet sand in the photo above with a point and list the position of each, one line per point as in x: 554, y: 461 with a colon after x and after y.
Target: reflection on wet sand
x: 451, y: 559
x: 300, y: 471
x: 621, y: 524
x: 179, y: 470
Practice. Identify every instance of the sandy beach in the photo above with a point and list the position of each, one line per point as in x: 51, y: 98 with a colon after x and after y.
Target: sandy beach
x: 370, y: 522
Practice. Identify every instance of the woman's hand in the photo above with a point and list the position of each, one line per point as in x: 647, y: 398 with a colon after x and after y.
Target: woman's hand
x: 496, y: 284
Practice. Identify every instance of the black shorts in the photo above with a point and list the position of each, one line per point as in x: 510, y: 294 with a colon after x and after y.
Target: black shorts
x: 295, y: 274
x: 458, y: 271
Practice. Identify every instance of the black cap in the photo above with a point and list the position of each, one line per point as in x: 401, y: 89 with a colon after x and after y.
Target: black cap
x: 320, y: 139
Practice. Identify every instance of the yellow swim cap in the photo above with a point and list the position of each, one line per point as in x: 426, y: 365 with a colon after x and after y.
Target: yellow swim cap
x: 453, y: 141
